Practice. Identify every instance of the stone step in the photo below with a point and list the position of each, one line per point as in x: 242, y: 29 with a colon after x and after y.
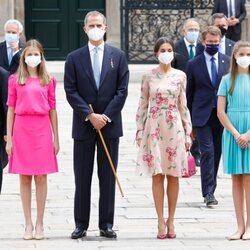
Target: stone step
x: 56, y: 69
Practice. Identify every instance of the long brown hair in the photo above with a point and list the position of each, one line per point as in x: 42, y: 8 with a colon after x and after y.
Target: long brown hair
x: 233, y: 65
x: 23, y: 73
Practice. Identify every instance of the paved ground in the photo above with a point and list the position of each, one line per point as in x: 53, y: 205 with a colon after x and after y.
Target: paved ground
x: 197, y: 227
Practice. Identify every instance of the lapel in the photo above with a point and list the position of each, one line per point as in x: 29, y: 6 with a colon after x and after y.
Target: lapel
x: 107, y: 63
x: 5, y: 54
x: 222, y: 68
x: 184, y: 50
x: 87, y: 65
x: 203, y: 67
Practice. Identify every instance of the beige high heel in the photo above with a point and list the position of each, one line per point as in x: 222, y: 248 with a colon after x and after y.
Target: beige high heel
x: 39, y: 234
x: 28, y: 234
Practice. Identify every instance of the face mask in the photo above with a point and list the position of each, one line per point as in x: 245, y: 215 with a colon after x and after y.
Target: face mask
x: 11, y: 38
x: 223, y: 31
x: 192, y: 36
x: 166, y: 57
x: 95, y: 34
x: 243, y: 61
x: 212, y: 49
x: 33, y: 61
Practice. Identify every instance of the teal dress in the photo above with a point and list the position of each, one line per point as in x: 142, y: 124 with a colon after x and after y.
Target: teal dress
x: 235, y: 159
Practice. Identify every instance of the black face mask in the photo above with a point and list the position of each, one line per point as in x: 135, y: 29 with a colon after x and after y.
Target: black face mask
x: 212, y: 49
x: 223, y: 31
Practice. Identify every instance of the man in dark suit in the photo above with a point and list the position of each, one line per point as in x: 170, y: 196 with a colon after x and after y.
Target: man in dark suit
x: 4, y: 75
x: 96, y: 74
x: 10, y: 49
x: 235, y: 11
x: 204, y: 73
x: 187, y: 48
x: 226, y: 45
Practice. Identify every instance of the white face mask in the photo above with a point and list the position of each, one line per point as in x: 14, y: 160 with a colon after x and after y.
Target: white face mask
x: 192, y: 36
x: 166, y: 57
x: 95, y: 34
x: 33, y: 61
x: 243, y: 61
x: 11, y: 38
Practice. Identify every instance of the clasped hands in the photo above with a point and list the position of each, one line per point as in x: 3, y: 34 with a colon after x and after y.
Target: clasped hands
x: 242, y: 140
x: 98, y: 121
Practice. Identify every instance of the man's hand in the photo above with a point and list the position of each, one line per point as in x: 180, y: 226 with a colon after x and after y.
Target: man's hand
x: 98, y: 121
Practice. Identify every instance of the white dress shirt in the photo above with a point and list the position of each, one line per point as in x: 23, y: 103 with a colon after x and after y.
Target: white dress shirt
x: 188, y: 48
x: 100, y: 53
x: 222, y: 46
x: 232, y: 6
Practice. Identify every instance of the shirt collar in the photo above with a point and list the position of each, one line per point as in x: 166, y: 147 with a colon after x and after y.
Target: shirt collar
x: 188, y: 43
x: 92, y: 47
x: 208, y: 57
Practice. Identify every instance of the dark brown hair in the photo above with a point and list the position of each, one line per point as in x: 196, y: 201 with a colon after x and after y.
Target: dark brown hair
x: 161, y: 41
x: 212, y: 30
x: 233, y: 65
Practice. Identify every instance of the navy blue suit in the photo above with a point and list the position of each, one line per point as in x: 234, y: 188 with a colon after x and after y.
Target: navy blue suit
x: 201, y: 100
x: 4, y: 75
x: 109, y: 99
x: 220, y: 6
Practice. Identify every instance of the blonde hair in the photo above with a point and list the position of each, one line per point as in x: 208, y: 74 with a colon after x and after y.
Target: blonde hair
x: 23, y: 73
x: 233, y: 65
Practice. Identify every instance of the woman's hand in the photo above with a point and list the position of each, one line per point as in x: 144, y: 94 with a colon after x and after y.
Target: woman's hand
x: 9, y: 148
x: 138, y: 142
x: 242, y: 140
x: 56, y: 147
x: 188, y: 142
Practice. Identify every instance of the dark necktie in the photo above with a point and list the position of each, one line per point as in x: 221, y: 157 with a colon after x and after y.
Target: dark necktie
x: 214, y: 73
x: 230, y: 8
x: 191, y: 51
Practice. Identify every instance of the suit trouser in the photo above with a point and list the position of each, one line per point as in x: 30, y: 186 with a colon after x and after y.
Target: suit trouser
x: 209, y: 138
x: 84, y: 152
x: 232, y: 34
x: 1, y: 178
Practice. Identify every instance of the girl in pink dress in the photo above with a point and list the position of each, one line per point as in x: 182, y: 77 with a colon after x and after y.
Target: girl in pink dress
x: 32, y: 131
x: 163, y: 132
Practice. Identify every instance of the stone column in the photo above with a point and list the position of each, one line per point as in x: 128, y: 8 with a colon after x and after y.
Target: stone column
x: 246, y: 24
x: 6, y: 12
x: 113, y: 23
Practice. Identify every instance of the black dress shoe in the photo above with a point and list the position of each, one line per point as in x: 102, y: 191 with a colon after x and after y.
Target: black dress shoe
x: 108, y: 233
x: 78, y: 233
x: 198, y: 161
x: 210, y: 200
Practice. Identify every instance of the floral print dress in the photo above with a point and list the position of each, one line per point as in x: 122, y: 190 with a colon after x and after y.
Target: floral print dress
x: 163, y: 124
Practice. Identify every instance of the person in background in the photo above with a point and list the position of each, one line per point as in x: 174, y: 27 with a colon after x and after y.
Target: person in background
x: 4, y: 75
x: 204, y: 73
x: 163, y: 132
x: 10, y: 49
x: 235, y: 10
x: 186, y: 49
x: 32, y: 132
x: 234, y: 115
x: 226, y: 45
x: 95, y: 74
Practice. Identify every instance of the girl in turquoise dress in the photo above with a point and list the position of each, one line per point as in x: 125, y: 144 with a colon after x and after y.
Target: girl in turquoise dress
x: 234, y: 114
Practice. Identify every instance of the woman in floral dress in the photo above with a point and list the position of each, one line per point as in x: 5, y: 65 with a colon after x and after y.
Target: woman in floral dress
x: 163, y: 132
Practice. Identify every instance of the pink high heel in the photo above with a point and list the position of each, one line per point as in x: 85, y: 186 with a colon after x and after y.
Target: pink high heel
x: 161, y: 236
x: 170, y: 235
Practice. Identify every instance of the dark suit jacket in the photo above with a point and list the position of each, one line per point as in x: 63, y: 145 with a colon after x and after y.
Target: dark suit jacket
x: 200, y: 91
x: 182, y: 54
x: 220, y: 6
x: 12, y: 68
x: 4, y: 75
x: 81, y: 90
x: 229, y: 45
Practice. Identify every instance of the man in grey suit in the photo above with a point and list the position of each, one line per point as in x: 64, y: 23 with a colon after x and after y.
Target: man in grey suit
x: 226, y: 45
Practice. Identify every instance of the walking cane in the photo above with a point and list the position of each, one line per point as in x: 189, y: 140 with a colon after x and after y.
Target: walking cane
x: 109, y: 157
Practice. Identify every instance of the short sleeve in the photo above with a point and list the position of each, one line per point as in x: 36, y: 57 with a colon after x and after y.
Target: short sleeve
x: 223, y: 91
x: 12, y: 93
x: 52, y: 93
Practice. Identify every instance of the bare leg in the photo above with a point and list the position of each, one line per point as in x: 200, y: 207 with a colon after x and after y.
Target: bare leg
x: 41, y: 194
x: 246, y: 183
x: 158, y: 193
x: 25, y: 191
x: 238, y: 198
x: 172, y: 193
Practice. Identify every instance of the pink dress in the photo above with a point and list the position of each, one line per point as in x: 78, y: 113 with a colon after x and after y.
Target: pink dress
x: 163, y: 124
x: 32, y: 137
